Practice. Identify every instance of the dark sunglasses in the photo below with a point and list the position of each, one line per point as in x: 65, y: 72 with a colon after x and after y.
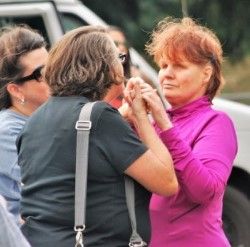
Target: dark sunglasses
x: 35, y: 75
x: 122, y: 57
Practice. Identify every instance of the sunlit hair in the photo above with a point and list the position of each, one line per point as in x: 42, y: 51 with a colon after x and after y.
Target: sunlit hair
x: 178, y: 39
x: 83, y: 63
x: 15, y: 42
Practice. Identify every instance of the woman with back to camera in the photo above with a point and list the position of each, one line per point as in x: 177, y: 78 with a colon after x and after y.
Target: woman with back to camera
x: 22, y: 91
x: 84, y: 66
x: 202, y: 141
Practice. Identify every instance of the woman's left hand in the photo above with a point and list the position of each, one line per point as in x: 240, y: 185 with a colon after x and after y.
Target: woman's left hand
x: 133, y: 96
x: 127, y: 113
x: 155, y: 106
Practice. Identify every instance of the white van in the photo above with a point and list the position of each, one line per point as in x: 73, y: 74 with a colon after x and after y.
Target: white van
x: 54, y: 18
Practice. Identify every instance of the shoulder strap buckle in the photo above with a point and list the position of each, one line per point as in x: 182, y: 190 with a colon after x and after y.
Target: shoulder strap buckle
x: 83, y: 125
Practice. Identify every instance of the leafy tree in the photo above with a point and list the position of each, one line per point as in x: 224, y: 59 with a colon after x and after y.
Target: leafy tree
x: 229, y: 19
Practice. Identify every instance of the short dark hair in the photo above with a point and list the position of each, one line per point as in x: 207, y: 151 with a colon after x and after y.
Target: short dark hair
x: 83, y: 63
x: 15, y: 41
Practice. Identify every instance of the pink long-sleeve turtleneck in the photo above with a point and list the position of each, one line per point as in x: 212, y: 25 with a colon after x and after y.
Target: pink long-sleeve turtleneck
x: 203, y: 146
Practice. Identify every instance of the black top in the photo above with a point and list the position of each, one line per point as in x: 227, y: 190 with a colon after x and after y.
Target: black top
x: 47, y: 158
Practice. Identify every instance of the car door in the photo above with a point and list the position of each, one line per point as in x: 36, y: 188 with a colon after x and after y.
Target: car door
x: 42, y: 16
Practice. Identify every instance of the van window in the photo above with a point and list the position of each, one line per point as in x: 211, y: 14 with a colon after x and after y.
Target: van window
x: 35, y: 22
x: 70, y: 21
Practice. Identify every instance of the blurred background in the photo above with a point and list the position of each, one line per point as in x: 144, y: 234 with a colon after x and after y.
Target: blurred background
x: 229, y: 19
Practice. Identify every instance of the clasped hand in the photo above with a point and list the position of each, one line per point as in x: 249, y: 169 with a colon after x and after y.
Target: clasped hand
x: 141, y: 99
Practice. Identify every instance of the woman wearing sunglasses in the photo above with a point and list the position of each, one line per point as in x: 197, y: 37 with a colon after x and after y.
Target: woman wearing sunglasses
x: 22, y: 91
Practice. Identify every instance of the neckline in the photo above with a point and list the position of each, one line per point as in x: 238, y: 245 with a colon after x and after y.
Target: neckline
x: 183, y: 111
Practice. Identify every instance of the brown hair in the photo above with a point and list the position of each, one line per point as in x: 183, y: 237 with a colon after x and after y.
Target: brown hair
x: 176, y: 39
x: 15, y: 41
x: 83, y: 63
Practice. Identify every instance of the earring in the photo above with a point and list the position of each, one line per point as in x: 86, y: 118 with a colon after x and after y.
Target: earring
x: 22, y: 101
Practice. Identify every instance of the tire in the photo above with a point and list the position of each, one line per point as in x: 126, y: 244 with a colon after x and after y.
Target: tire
x: 236, y: 217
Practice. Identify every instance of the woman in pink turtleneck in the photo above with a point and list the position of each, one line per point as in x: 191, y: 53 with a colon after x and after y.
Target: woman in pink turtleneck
x: 201, y: 140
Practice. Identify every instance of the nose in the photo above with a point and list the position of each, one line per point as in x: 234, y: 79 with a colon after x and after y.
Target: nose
x: 168, y: 71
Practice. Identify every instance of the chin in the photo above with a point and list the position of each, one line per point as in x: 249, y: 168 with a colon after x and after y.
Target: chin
x: 170, y: 99
x: 168, y: 96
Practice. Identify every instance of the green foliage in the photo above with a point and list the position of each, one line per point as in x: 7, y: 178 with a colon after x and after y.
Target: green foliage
x: 229, y: 19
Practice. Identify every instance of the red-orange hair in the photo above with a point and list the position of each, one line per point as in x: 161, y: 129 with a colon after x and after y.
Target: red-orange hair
x: 178, y: 39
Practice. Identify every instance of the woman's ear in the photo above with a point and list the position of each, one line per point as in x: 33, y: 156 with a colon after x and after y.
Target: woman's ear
x: 207, y: 73
x: 14, y: 91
